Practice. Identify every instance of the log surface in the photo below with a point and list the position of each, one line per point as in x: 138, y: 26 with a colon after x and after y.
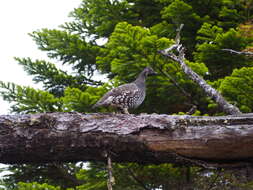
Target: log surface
x: 225, y: 141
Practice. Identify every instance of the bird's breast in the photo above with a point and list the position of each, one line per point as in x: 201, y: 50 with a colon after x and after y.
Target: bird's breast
x: 138, y: 99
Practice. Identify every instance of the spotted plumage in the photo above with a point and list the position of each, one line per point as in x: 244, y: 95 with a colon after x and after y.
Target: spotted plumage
x: 127, y: 96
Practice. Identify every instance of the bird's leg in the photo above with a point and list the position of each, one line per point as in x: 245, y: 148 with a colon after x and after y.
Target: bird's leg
x: 117, y: 110
x: 125, y: 111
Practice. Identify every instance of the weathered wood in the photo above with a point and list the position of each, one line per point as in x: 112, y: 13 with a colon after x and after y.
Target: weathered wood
x: 225, y: 141
x: 247, y: 53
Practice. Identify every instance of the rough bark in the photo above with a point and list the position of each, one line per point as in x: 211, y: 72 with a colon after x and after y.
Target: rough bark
x: 209, y: 90
x: 65, y: 137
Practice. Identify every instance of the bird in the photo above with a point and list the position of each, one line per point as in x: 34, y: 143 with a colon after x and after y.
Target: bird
x: 126, y: 96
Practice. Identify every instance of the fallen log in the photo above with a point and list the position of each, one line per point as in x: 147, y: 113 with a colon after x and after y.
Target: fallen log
x: 211, y: 142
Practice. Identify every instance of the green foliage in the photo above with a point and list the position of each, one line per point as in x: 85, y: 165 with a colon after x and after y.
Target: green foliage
x: 95, y: 177
x: 199, y: 68
x: 54, y: 80
x: 134, y: 176
x: 179, y: 12
x: 129, y: 49
x: 238, y: 88
x: 62, y: 175
x: 36, y: 186
x: 68, y: 48
x: 234, y: 12
x: 97, y: 18
x: 219, y: 62
x: 81, y: 101
x: 208, y: 33
x: 29, y: 100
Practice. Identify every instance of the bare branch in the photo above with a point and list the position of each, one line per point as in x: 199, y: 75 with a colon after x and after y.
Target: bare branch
x: 210, y: 91
x: 247, y: 53
x: 187, y: 95
x: 111, y: 180
x: 177, y: 44
x: 171, y: 79
x: 179, y: 29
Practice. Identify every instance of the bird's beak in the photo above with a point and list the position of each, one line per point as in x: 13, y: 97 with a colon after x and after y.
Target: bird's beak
x: 153, y: 73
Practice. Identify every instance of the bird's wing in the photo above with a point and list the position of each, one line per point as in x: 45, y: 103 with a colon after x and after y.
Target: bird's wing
x: 129, y: 89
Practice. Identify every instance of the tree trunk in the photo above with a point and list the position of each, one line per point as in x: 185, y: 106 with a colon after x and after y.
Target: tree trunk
x: 210, y: 142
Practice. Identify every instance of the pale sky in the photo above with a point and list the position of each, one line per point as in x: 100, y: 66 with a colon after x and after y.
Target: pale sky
x: 17, y: 19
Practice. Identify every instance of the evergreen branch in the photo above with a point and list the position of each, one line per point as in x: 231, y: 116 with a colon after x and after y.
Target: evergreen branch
x: 29, y: 100
x: 68, y: 48
x: 54, y: 80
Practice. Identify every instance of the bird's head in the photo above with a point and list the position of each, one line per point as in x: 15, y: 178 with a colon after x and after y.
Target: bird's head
x: 140, y: 80
x: 148, y: 71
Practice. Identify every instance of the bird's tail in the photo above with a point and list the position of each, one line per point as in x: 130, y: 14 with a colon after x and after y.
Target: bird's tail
x: 95, y: 106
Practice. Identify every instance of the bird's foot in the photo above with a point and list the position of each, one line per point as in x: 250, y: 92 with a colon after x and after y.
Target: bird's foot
x: 125, y: 111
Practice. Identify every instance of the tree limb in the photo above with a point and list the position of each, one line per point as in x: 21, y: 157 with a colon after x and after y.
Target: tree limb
x: 209, y: 142
x: 210, y: 91
x: 171, y: 79
x: 110, y: 180
x: 247, y: 53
